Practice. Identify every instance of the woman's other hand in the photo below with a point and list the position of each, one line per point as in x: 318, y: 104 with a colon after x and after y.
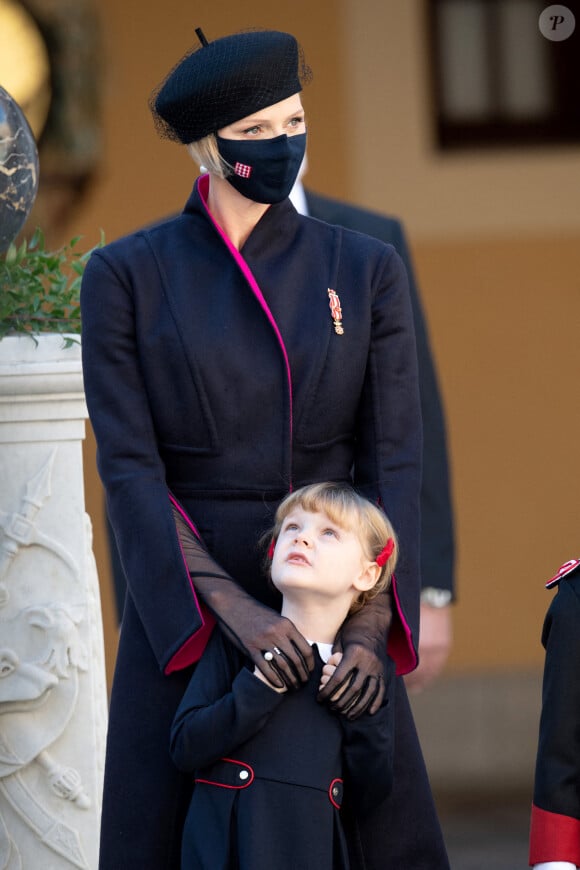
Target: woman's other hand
x: 358, y: 683
x: 435, y: 641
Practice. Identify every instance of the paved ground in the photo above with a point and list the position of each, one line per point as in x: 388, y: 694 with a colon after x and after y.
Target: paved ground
x: 486, y: 832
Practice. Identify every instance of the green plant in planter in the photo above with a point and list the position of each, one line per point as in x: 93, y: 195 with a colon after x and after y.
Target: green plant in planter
x: 39, y: 289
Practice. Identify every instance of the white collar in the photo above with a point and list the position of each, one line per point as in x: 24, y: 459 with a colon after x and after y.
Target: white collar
x: 298, y: 198
x: 325, y: 649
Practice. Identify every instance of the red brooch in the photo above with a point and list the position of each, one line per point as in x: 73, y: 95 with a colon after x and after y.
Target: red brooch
x: 335, y: 311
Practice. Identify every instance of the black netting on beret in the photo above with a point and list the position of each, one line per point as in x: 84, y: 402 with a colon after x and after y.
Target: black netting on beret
x: 225, y: 80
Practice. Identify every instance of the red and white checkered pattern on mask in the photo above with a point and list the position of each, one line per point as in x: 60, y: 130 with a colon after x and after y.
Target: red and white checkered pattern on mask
x: 242, y: 170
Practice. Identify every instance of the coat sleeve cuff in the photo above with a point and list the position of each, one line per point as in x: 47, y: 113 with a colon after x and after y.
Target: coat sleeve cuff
x: 400, y: 645
x: 192, y: 650
x: 553, y: 837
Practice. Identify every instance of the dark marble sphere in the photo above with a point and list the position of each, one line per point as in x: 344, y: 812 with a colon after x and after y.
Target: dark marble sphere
x: 18, y: 169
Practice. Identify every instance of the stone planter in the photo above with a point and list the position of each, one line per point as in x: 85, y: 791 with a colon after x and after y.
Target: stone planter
x: 52, y: 677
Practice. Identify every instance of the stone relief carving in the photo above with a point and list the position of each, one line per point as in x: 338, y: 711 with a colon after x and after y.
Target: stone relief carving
x: 43, y: 656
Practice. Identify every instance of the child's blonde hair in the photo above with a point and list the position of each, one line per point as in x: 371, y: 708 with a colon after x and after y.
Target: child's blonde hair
x: 352, y: 512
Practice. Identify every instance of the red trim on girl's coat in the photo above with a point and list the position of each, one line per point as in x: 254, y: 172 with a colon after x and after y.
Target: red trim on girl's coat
x: 553, y: 837
x: 400, y: 643
x: 203, y: 188
x: 242, y: 764
x: 335, y: 785
x: 193, y: 648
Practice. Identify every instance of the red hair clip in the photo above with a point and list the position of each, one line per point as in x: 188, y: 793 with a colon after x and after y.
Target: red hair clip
x: 271, y: 549
x: 385, y: 553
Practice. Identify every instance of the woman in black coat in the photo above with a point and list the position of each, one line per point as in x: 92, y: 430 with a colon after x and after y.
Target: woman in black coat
x: 230, y: 355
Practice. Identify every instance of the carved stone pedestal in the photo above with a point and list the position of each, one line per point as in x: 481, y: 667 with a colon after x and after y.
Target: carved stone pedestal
x: 52, y: 675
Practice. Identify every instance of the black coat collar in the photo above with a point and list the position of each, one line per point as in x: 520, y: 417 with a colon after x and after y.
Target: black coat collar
x: 278, y: 221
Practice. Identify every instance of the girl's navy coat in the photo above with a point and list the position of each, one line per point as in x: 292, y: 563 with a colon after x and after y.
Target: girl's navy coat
x: 224, y: 393
x: 272, y: 770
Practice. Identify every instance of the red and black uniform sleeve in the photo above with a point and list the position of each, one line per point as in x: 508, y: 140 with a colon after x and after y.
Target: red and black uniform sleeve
x: 555, y: 821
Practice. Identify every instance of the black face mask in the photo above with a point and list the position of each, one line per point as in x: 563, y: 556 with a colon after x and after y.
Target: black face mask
x: 264, y: 170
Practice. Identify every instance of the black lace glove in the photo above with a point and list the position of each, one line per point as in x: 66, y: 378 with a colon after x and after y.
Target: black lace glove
x: 254, y: 628
x: 358, y: 684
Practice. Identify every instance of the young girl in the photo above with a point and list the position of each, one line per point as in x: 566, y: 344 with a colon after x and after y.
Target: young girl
x: 555, y: 822
x: 269, y: 763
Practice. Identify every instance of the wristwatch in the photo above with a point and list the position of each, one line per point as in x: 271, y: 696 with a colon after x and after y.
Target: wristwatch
x: 435, y: 597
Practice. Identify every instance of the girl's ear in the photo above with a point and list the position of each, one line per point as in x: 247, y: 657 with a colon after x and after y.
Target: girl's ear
x: 368, y: 576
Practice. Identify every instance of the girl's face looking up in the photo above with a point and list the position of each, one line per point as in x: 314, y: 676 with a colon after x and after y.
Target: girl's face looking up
x: 317, y: 557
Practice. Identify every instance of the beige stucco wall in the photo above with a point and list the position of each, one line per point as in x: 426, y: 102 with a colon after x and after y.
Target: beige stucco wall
x: 388, y: 127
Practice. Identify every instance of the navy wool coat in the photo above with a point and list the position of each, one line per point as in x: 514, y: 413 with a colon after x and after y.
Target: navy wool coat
x: 437, y: 533
x: 218, y: 379
x: 272, y: 769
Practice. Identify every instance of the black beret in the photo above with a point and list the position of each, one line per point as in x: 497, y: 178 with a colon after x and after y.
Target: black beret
x: 225, y: 80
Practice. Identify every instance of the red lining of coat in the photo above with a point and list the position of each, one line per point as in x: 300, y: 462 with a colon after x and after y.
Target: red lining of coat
x: 400, y: 643
x: 193, y: 648
x: 553, y: 837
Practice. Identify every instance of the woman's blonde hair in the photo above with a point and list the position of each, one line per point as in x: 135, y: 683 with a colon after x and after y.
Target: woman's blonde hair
x: 352, y: 512
x: 205, y: 152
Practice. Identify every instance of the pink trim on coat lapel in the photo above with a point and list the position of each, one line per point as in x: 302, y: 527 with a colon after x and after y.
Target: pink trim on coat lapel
x: 193, y: 648
x: 203, y: 188
x: 400, y: 642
